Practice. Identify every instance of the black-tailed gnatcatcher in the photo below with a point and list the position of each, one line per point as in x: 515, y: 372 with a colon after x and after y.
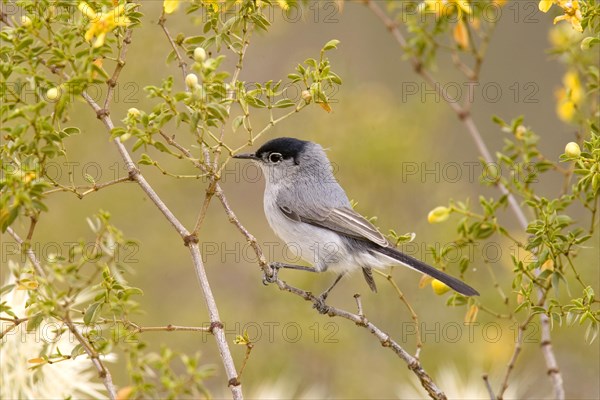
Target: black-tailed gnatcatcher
x: 309, y: 210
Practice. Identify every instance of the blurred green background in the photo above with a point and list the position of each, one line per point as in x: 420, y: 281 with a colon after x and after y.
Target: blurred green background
x: 378, y: 133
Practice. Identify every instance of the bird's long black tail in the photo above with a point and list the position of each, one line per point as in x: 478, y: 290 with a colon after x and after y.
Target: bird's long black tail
x: 418, y: 265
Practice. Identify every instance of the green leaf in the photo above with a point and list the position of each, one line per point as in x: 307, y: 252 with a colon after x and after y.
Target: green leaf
x: 7, y: 288
x: 218, y: 111
x: 160, y: 147
x: 92, y: 313
x: 90, y: 179
x: 237, y: 122
x: 34, y: 322
x: 284, y: 103
x: 332, y: 44
x: 145, y: 160
x: 589, y: 42
x: 71, y: 131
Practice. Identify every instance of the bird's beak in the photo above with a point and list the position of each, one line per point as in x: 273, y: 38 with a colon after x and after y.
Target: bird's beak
x: 247, y: 156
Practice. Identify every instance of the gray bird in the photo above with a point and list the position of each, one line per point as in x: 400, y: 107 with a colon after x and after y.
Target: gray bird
x: 308, y: 209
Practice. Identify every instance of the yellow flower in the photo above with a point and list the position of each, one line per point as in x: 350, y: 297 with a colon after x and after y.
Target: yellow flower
x: 545, y: 5
x: 572, y: 13
x: 170, y: 6
x: 283, y: 4
x: 569, y: 96
x: 571, y: 10
x: 461, y: 34
x: 213, y: 3
x: 102, y: 23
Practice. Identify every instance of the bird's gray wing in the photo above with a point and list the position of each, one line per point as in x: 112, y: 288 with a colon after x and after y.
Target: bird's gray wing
x: 339, y: 219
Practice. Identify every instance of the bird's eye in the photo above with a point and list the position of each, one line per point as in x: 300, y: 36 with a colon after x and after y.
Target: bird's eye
x: 275, y: 157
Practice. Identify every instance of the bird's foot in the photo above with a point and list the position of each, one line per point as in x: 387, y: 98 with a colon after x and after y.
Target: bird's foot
x: 320, y: 305
x: 273, y: 278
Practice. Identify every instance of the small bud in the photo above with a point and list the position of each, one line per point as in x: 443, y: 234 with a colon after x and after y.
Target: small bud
x: 520, y: 132
x: 439, y: 287
x: 53, y: 94
x: 191, y: 80
x: 572, y: 149
x: 26, y: 21
x: 133, y: 112
x: 306, y: 96
x: 199, y: 54
x: 438, y: 214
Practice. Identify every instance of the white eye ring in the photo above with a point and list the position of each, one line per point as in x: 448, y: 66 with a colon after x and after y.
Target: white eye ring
x: 275, y: 157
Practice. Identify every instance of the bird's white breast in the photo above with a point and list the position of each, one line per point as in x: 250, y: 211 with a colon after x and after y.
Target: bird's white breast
x: 317, y: 246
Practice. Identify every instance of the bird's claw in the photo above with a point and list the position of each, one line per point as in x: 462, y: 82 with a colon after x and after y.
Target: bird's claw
x: 273, y: 278
x: 320, y: 305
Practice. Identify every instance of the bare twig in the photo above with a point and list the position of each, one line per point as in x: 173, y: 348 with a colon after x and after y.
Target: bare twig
x: 488, y: 386
x: 411, y: 310
x: 169, y: 328
x: 30, y: 254
x: 551, y: 363
x: 249, y: 347
x: 88, y: 189
x: 15, y: 322
x: 182, y: 63
x: 112, y: 82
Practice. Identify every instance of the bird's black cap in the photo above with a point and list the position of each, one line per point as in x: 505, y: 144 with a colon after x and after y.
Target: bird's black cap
x: 286, y: 146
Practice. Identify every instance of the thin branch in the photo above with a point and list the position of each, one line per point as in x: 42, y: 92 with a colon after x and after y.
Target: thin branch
x: 33, y: 223
x: 249, y: 347
x: 15, y: 322
x: 30, y: 254
x: 103, y: 372
x: 551, y: 363
x: 518, y: 346
x: 4, y: 18
x: 411, y: 310
x: 168, y: 328
x: 513, y: 359
x: 112, y: 82
x: 488, y: 386
x: 182, y: 63
x: 230, y: 96
x: 88, y: 189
